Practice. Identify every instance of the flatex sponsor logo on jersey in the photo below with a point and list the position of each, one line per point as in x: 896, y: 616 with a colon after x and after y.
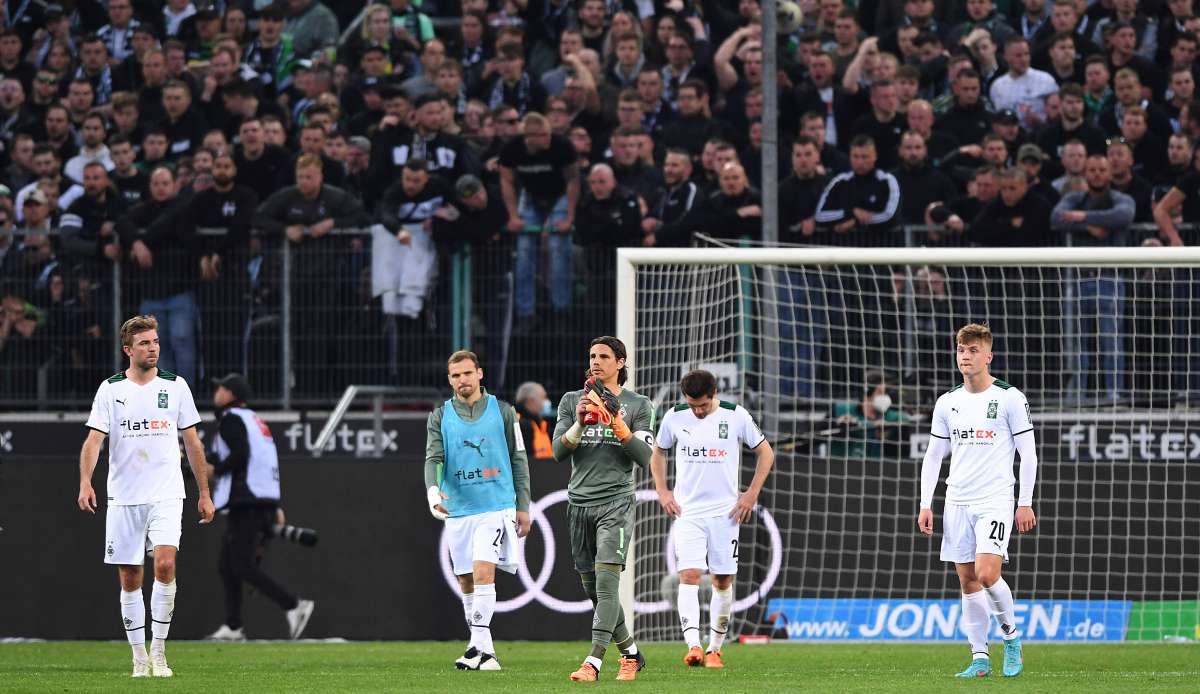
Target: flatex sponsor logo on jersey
x: 147, y: 427
x: 978, y: 437
x: 699, y: 454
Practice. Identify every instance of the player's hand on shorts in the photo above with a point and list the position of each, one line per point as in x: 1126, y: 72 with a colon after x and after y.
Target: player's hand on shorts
x: 522, y: 523
x: 1026, y: 520
x: 206, y: 508
x: 925, y: 521
x: 666, y: 499
x: 435, y: 497
x: 744, y: 507
x: 87, y: 498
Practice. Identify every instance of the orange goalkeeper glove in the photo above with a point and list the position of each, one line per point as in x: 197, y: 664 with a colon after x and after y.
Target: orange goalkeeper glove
x: 621, y: 429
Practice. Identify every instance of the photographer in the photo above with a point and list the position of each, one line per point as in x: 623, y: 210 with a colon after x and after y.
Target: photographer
x: 245, y: 470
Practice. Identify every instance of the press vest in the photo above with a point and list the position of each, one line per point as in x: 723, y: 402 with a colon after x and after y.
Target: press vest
x: 478, y: 472
x: 262, y: 470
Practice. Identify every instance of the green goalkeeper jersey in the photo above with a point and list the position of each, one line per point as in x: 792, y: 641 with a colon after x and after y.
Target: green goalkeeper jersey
x: 601, y: 466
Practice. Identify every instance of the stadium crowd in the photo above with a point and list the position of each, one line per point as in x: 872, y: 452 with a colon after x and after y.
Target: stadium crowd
x: 541, y: 135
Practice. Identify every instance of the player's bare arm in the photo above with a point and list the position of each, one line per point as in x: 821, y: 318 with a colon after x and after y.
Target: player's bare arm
x: 199, y: 465
x: 764, y: 460
x: 658, y: 469
x: 88, y: 457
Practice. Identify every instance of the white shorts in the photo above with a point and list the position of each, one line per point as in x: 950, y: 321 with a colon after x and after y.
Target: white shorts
x: 130, y: 532
x: 976, y: 529
x: 489, y: 537
x: 707, y: 544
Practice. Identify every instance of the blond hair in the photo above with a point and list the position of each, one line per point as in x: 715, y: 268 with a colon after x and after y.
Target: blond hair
x: 535, y: 120
x: 462, y: 355
x: 135, y: 325
x: 974, y: 332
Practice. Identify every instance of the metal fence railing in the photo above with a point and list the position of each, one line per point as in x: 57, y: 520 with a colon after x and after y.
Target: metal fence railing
x: 304, y: 321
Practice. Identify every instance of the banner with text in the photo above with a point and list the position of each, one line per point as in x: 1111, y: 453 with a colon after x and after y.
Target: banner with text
x: 869, y: 619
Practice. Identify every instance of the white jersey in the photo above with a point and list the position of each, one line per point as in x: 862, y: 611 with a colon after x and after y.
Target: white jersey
x: 143, y: 424
x: 708, y: 456
x: 981, y: 428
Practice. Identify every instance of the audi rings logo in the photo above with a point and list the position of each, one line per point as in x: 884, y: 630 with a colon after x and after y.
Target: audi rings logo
x: 535, y: 587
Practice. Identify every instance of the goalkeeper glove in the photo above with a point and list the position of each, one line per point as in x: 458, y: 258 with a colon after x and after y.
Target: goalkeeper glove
x: 435, y: 497
x: 621, y: 429
x: 607, y: 404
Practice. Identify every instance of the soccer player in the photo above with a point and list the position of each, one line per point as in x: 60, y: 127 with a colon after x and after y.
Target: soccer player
x: 477, y: 481
x: 707, y: 435
x: 142, y: 411
x: 982, y: 422
x: 600, y: 500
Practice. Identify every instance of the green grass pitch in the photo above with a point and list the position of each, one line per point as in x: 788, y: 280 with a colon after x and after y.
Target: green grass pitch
x: 543, y: 667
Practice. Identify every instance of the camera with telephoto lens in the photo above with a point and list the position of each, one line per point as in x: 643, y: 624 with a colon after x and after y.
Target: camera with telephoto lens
x: 301, y: 536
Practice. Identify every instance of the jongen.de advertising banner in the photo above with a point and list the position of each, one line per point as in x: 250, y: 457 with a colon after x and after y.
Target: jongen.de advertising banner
x: 870, y: 619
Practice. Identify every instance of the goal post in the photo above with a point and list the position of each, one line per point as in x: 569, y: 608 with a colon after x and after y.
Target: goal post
x: 1104, y: 342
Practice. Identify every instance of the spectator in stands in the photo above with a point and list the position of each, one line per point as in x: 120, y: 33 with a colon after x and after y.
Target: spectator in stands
x: 920, y: 184
x: 865, y: 198
x: 1122, y: 47
x: 1120, y: 158
x: 131, y: 183
x: 968, y: 119
x: 185, y: 126
x: 631, y: 172
x: 93, y: 148
x: 272, y: 54
x: 609, y: 217
x: 1023, y: 88
x: 261, y: 167
x: 433, y: 56
x: 1128, y: 91
x: 884, y: 124
x: 1015, y: 217
x: 305, y: 214
x: 1099, y: 217
x: 1149, y: 151
x: 14, y: 117
x: 536, y: 414
x: 920, y: 120
x: 1072, y: 124
x: 1182, y: 91
x: 160, y: 236
x: 312, y: 27
x: 570, y: 42
x: 90, y: 234
x: 479, y: 215
x: 681, y: 67
x: 833, y: 160
x: 542, y: 167
x: 1073, y: 158
x: 58, y: 132
x: 512, y: 84
x: 734, y: 210
x: 663, y: 224
x: 1031, y: 159
x: 447, y: 156
x: 871, y: 426
x: 1065, y: 64
x: 799, y: 193
x: 1064, y: 19
x: 312, y: 142
x: 1179, y: 160
x: 20, y: 172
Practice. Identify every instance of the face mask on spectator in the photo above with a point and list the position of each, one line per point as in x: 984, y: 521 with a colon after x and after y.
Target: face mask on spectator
x: 882, y: 402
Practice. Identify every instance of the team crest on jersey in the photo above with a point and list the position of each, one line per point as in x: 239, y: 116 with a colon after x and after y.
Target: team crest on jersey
x: 993, y: 407
x: 723, y: 430
x: 162, y: 399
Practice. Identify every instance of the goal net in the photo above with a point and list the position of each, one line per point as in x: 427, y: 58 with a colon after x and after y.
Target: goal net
x: 1105, y: 343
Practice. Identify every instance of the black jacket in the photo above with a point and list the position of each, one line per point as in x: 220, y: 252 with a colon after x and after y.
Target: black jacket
x: 610, y: 223
x: 169, y: 230
x: 288, y: 206
x: 447, y: 157
x: 1025, y: 224
x: 237, y: 463
x: 919, y: 187
x: 877, y: 192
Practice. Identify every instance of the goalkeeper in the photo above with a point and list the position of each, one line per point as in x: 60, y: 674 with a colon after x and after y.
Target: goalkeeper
x: 595, y: 431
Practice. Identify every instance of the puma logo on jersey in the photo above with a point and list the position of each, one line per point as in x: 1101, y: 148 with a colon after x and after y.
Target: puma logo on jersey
x: 120, y: 402
x: 477, y: 446
x: 954, y: 410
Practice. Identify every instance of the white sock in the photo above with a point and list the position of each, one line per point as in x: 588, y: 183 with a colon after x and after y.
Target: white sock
x: 689, y: 613
x: 632, y: 650
x: 594, y: 662
x: 133, y: 617
x: 999, y: 596
x: 975, y: 623
x: 481, y: 618
x: 162, y: 609
x: 468, y: 600
x: 719, y: 610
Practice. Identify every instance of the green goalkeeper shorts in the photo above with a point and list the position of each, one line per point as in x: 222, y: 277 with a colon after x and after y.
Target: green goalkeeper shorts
x: 600, y: 534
